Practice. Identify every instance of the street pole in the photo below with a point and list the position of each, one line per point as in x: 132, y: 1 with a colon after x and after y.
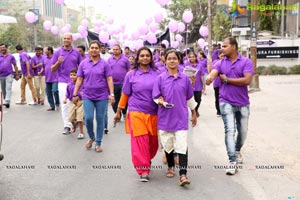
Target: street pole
x: 209, y: 56
x: 34, y: 29
x: 254, y: 86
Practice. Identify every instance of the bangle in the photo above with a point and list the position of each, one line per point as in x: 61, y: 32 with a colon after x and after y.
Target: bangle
x: 75, y: 95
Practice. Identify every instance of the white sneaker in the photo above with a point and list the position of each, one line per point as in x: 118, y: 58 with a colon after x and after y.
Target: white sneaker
x: 239, y: 157
x: 21, y: 102
x: 232, y: 168
x: 33, y: 103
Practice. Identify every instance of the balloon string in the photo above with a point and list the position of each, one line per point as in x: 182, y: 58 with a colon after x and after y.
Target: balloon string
x: 186, y: 38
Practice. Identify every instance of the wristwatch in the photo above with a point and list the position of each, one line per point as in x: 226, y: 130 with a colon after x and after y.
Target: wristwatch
x: 225, y: 80
x: 112, y: 95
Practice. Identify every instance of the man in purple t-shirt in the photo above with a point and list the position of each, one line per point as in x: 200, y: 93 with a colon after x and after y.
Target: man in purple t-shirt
x: 27, y: 77
x: 119, y: 65
x: 6, y: 73
x: 63, y: 60
x: 235, y: 72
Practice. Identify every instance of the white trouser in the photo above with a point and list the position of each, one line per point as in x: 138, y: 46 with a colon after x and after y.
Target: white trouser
x: 62, y: 89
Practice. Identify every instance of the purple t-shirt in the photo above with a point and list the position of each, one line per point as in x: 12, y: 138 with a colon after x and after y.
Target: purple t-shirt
x: 51, y: 77
x: 198, y: 83
x: 215, y: 54
x: 6, y: 63
x: 232, y: 94
x: 203, y: 64
x: 70, y: 90
x: 138, y: 86
x: 37, y: 60
x: 119, y: 68
x: 94, y: 79
x: 24, y: 57
x: 217, y: 81
x: 174, y: 90
x: 72, y: 59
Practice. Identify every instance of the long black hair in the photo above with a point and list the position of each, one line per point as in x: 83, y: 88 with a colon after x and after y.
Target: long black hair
x: 151, y: 64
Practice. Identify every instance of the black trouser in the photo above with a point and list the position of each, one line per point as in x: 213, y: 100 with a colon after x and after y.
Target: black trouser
x: 197, y: 97
x: 183, y: 160
x: 117, y: 93
x: 217, y: 105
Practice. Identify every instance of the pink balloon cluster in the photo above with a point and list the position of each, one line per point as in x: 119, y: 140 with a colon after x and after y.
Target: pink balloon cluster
x: 201, y: 43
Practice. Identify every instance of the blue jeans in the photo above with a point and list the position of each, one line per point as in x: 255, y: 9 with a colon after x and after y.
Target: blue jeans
x: 52, y: 94
x: 235, y: 118
x: 89, y: 107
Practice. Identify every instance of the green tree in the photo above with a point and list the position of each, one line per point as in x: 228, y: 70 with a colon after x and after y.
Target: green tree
x: 221, y: 25
x: 270, y: 20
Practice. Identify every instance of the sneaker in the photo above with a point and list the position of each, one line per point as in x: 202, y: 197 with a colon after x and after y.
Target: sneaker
x: 50, y: 109
x: 239, y: 157
x: 33, y: 103
x: 232, y: 168
x: 67, y: 131
x: 21, y: 102
x: 144, y: 178
x: 105, y: 131
x: 6, y: 105
x: 80, y: 136
x: 218, y: 114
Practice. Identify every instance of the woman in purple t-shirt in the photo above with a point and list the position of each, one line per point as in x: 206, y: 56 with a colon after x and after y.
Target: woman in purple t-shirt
x: 95, y: 76
x: 172, y: 90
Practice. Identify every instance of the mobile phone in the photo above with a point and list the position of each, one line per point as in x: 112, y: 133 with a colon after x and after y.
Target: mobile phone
x: 169, y: 105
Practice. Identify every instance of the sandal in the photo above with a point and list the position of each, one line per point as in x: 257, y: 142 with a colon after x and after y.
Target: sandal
x: 183, y: 180
x: 89, y: 144
x: 98, y: 148
x: 170, y: 172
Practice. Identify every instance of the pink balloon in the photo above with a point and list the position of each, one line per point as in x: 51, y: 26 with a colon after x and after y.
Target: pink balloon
x: 47, y: 25
x: 64, y: 30
x: 85, y: 23
x: 148, y: 20
x: 174, y: 44
x: 173, y: 26
x: 166, y: 42
x: 30, y: 17
x: 162, y: 2
x: 81, y: 29
x: 84, y: 34
x: 187, y: 16
x: 203, y: 31
x: 143, y: 29
x: 135, y: 35
x: 181, y: 27
x: 154, y: 27
x: 178, y: 37
x: 201, y: 42
x: 59, y: 1
x: 76, y: 36
x: 103, y: 37
x: 151, y: 38
x: 98, y: 23
x: 110, y: 21
x: 158, y: 17
x: 54, y: 30
x: 112, y: 42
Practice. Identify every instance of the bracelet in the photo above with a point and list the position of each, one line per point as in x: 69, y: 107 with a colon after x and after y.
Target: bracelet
x: 75, y: 95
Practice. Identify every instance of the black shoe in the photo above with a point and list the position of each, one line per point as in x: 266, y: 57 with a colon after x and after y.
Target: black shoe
x: 6, y: 105
x: 67, y: 131
x: 50, y: 109
x: 105, y: 131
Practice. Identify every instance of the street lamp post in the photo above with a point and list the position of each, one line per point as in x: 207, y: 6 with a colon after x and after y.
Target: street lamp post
x: 34, y: 28
x: 209, y: 57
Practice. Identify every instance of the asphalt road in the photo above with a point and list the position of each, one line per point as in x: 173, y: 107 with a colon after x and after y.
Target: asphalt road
x: 42, y: 164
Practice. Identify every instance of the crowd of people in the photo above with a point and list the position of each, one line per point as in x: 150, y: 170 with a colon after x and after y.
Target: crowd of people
x: 151, y: 90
